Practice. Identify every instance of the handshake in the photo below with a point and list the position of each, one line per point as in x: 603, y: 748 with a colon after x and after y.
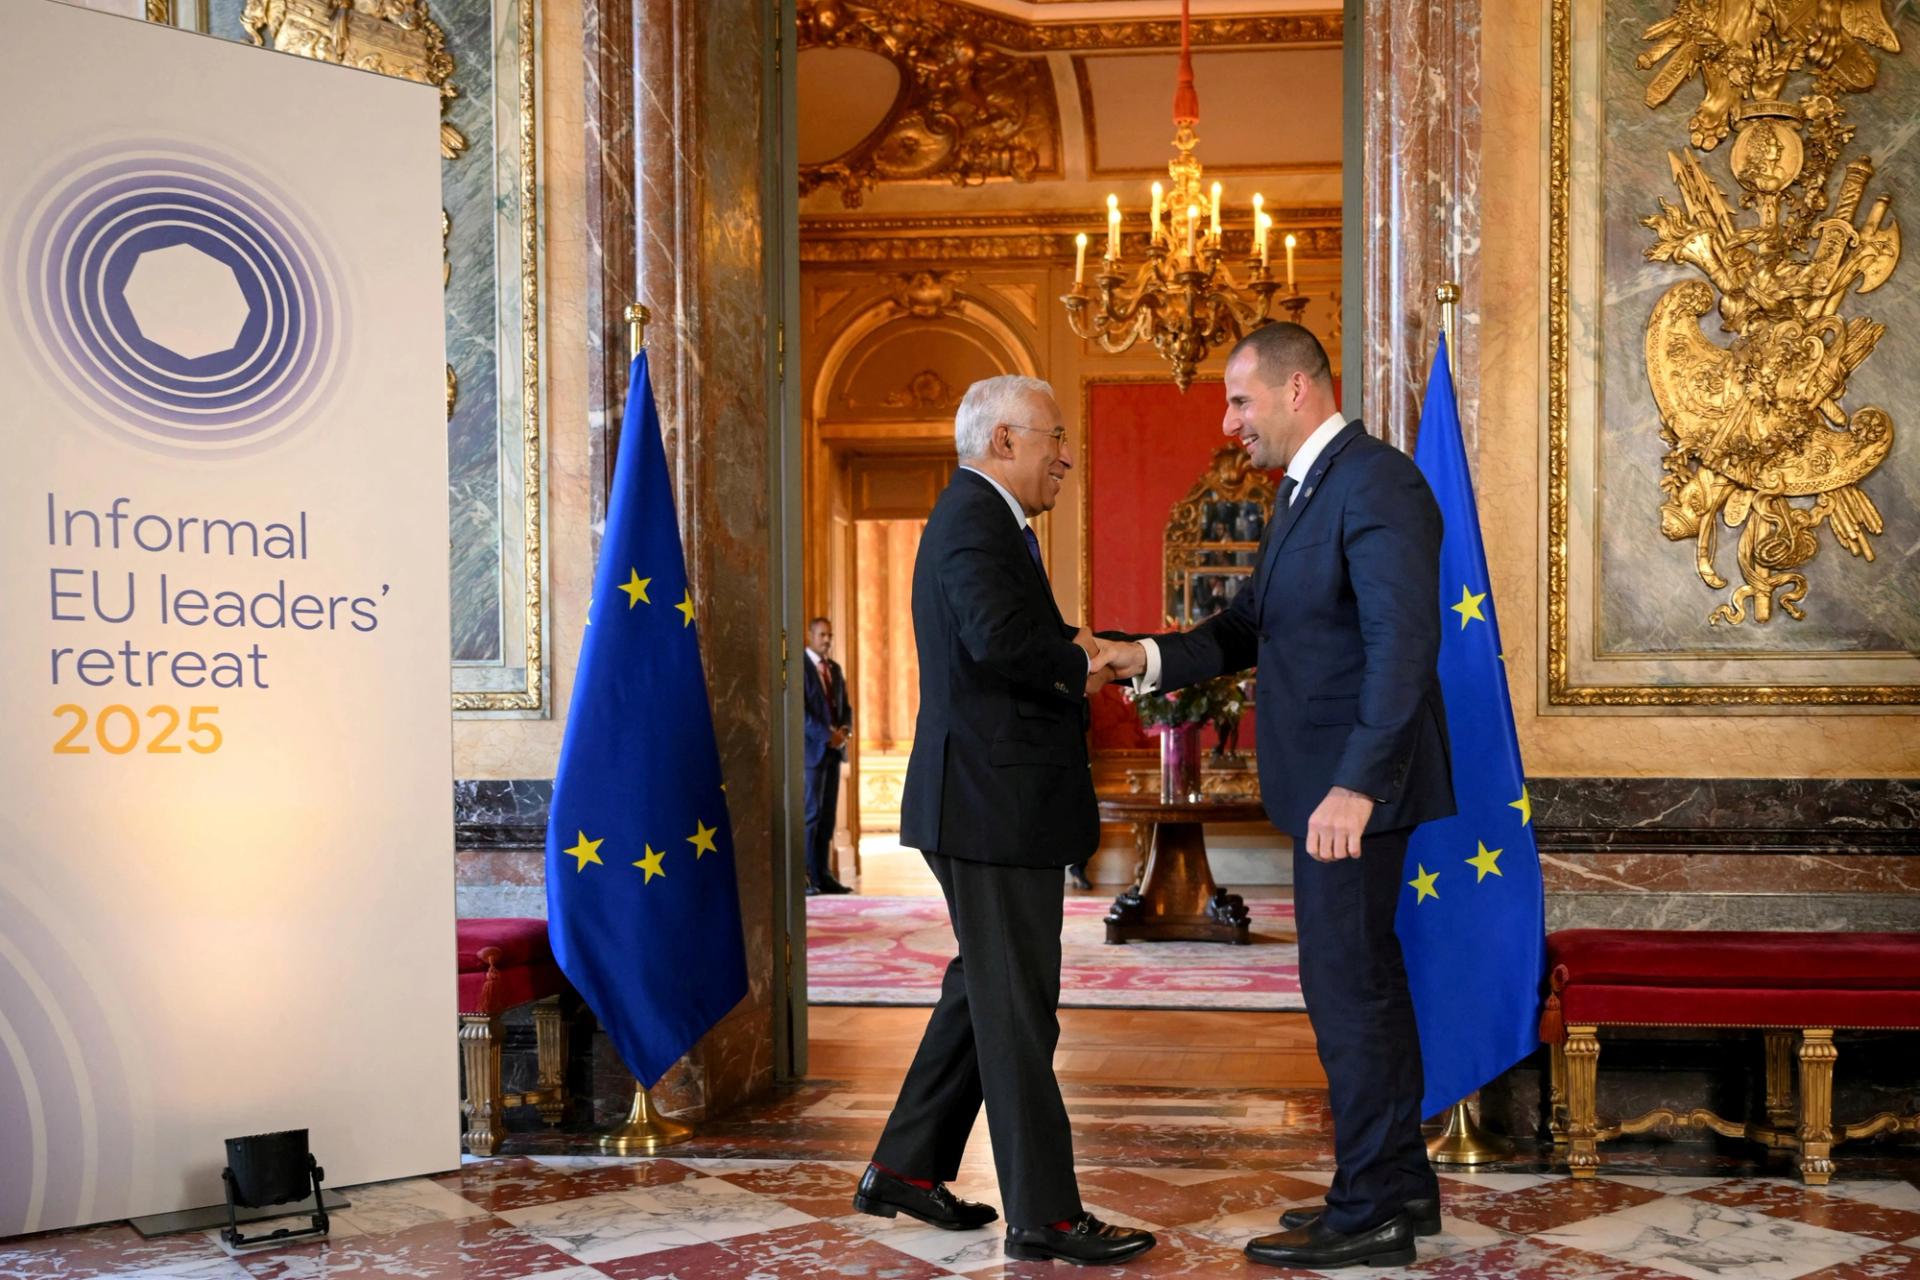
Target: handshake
x: 1110, y: 660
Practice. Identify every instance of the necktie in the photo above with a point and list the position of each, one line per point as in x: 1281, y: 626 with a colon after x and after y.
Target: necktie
x: 1033, y: 549
x: 826, y: 679
x: 1287, y: 486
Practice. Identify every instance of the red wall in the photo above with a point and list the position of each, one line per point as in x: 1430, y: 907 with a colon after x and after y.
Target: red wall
x: 1147, y: 444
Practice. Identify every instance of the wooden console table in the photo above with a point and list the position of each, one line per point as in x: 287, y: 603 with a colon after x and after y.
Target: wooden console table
x: 1176, y: 899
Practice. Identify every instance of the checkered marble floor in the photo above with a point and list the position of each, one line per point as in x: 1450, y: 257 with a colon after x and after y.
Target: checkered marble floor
x: 766, y: 1195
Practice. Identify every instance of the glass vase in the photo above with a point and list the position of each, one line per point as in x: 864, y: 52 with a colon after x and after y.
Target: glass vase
x: 1180, y: 763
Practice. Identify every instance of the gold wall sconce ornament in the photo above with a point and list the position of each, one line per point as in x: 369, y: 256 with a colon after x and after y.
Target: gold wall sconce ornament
x: 1756, y: 434
x: 1183, y: 298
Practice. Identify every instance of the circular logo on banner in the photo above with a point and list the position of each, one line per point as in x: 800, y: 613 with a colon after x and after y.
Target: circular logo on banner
x: 177, y: 299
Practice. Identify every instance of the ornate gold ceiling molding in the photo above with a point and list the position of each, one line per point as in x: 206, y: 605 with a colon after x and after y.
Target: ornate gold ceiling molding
x: 995, y: 237
x: 1066, y: 37
x: 966, y: 112
x: 975, y: 102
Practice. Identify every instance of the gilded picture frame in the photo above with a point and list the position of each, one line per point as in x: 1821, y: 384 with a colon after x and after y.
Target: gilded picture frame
x: 1603, y: 448
x: 484, y: 55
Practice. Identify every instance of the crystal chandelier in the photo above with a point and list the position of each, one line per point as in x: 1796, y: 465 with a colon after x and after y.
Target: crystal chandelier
x: 1183, y: 298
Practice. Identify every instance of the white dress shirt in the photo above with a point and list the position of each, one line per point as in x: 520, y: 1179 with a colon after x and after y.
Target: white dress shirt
x: 1297, y: 466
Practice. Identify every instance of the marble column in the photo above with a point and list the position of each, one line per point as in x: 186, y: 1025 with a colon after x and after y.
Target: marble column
x: 677, y: 178
x: 1420, y: 202
x: 613, y: 270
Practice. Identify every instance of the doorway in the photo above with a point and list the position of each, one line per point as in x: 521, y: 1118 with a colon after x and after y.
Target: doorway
x: 882, y: 501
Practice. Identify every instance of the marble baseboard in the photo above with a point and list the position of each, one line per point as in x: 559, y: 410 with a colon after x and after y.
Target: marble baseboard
x: 1837, y: 912
x: 1740, y: 873
x: 1753, y: 815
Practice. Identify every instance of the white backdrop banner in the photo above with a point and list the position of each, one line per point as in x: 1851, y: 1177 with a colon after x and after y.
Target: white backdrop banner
x: 226, y: 871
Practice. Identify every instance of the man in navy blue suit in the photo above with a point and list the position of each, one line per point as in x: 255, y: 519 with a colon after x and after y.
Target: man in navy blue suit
x: 1343, y: 619
x: 829, y: 722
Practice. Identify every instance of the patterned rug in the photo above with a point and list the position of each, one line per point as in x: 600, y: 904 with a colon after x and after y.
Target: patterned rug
x: 893, y: 951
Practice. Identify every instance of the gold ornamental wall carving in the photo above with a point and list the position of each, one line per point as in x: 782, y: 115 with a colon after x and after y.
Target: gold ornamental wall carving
x: 967, y: 111
x: 1757, y: 436
x: 392, y: 37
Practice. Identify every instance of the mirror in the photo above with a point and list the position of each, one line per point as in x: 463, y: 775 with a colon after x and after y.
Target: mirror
x: 1212, y: 538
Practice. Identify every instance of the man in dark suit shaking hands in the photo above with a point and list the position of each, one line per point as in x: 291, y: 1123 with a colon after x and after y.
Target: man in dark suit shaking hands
x: 1343, y: 619
x: 999, y: 798
x: 829, y: 722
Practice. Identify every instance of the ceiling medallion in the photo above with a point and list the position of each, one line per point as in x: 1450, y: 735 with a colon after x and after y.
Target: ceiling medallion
x: 1183, y: 298
x: 967, y: 112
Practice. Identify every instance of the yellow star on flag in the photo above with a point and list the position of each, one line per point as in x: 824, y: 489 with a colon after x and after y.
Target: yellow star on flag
x: 1423, y: 884
x: 585, y: 851
x: 651, y: 865
x: 686, y: 607
x: 1469, y: 607
x: 636, y: 588
x: 1486, y: 860
x: 702, y: 839
x: 1525, y: 806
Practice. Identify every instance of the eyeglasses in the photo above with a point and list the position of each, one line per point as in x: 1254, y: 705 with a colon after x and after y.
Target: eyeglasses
x: 1058, y: 434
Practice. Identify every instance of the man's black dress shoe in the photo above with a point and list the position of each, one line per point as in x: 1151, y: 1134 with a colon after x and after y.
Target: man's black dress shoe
x: 1089, y: 1240
x: 1423, y: 1214
x: 1318, y: 1247
x: 885, y: 1196
x: 834, y: 886
x: 1078, y: 874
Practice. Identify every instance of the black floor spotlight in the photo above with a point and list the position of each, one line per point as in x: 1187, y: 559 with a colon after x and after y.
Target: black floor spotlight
x: 267, y: 1169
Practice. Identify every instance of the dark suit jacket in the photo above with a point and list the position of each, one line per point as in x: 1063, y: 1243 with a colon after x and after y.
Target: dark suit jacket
x: 1343, y: 620
x: 999, y: 768
x: 823, y: 715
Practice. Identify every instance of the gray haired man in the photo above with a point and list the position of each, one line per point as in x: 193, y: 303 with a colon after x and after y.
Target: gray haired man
x: 998, y: 798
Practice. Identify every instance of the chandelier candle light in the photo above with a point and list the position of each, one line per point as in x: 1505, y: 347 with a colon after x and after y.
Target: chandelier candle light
x: 1183, y: 298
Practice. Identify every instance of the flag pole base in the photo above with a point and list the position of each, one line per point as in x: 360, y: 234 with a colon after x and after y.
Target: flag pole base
x: 1465, y: 1142
x: 646, y: 1130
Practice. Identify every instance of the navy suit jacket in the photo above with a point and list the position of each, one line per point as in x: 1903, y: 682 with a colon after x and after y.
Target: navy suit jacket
x: 1343, y: 620
x: 823, y: 715
x: 999, y: 769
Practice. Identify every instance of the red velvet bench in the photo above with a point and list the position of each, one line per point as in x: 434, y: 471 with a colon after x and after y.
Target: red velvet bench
x: 1787, y: 985
x: 504, y: 963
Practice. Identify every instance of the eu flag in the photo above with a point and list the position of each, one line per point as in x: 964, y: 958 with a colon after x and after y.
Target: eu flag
x: 642, y: 905
x: 1472, y: 915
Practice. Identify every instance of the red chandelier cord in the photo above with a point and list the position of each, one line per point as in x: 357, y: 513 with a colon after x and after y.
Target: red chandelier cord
x: 1186, y: 98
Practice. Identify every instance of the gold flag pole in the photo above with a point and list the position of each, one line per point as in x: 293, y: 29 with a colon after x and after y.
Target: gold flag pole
x: 646, y: 1130
x: 637, y: 317
x: 1465, y: 1142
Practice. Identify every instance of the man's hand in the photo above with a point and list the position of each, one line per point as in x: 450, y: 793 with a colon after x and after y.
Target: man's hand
x: 1098, y: 678
x: 838, y: 739
x: 1091, y: 643
x: 1128, y: 658
x: 1334, y: 830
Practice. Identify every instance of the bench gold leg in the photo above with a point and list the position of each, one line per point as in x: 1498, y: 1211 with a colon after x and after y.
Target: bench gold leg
x: 1817, y: 1055
x: 480, y: 1052
x: 1779, y: 1051
x: 1582, y: 1076
x: 1557, y: 1093
x: 550, y: 1036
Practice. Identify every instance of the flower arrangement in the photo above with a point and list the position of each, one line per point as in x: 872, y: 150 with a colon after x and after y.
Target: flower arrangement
x: 1219, y: 702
